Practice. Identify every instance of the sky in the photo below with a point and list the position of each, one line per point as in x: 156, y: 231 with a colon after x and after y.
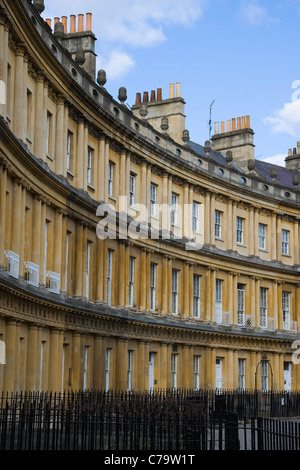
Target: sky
x: 243, y: 54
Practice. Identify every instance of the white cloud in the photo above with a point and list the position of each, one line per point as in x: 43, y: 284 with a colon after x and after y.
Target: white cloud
x: 130, y: 24
x: 278, y: 159
x: 287, y: 119
x: 255, y: 14
x: 117, y: 65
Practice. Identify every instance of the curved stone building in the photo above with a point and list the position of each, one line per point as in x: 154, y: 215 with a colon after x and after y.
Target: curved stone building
x: 130, y: 257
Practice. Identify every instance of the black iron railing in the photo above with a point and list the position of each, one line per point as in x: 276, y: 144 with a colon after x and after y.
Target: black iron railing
x: 164, y: 420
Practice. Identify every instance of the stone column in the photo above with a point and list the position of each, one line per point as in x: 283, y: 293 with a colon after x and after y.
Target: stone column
x: 36, y: 230
x: 186, y: 214
x: 272, y: 239
x: 148, y: 262
x: 257, y: 302
x: 142, y: 279
x: 58, y: 223
x: 281, y: 371
x: 190, y: 211
x: 142, y: 362
x: 122, y: 177
x: 60, y: 134
x: 121, y: 364
x: 164, y: 286
x: 101, y: 165
x: 229, y: 225
x: 231, y: 293
x: 255, y: 233
x: 3, y: 182
x: 207, y: 313
x: 165, y: 215
x: 85, y: 154
x: 186, y: 290
x: 212, y: 218
x: 233, y: 226
x: 79, y: 260
x: 143, y: 196
x: 19, y: 120
x: 234, y: 299
x: 208, y: 216
x: 296, y: 242
x: 276, y: 372
x: 39, y: 143
x: 191, y: 293
x: 213, y: 368
x: 252, y: 370
x: 99, y: 270
x: 230, y: 370
x: 32, y: 358
x: 22, y: 228
x: 278, y: 291
x: 121, y: 274
x: 76, y: 361
x: 297, y: 307
x: 80, y: 153
x: 42, y: 263
x: 98, y: 362
x: 235, y: 370
x: 170, y: 267
x: 54, y: 361
x: 148, y: 184
x: 253, y: 301
x: 275, y: 305
x: 163, y: 365
x: 16, y: 216
x: 3, y: 62
x: 106, y: 164
x: 213, y: 295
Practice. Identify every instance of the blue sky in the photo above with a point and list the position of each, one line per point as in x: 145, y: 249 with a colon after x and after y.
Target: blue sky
x: 244, y: 54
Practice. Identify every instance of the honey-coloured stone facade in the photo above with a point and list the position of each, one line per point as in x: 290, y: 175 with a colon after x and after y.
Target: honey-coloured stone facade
x: 132, y: 258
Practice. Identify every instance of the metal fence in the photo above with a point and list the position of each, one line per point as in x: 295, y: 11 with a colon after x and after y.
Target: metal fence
x: 164, y: 421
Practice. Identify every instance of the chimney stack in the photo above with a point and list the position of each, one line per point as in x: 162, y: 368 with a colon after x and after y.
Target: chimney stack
x: 81, y: 38
x: 238, y: 138
x: 170, y: 110
x: 292, y: 161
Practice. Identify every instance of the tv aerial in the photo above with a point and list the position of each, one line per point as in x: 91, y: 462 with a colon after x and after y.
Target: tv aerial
x: 210, y: 126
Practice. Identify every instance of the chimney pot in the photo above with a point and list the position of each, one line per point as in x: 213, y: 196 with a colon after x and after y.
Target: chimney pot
x: 64, y: 22
x: 171, y: 90
x: 222, y: 127
x: 138, y: 99
x: 233, y: 124
x: 228, y: 125
x: 289, y: 152
x: 294, y: 151
x: 145, y: 97
x: 56, y: 19
x: 248, y: 122
x: 48, y: 21
x: 159, y: 94
x: 178, y: 89
x: 238, y: 123
x: 80, y: 23
x: 217, y: 130
x: 243, y: 122
x: 73, y: 24
x: 152, y: 96
x: 89, y: 21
